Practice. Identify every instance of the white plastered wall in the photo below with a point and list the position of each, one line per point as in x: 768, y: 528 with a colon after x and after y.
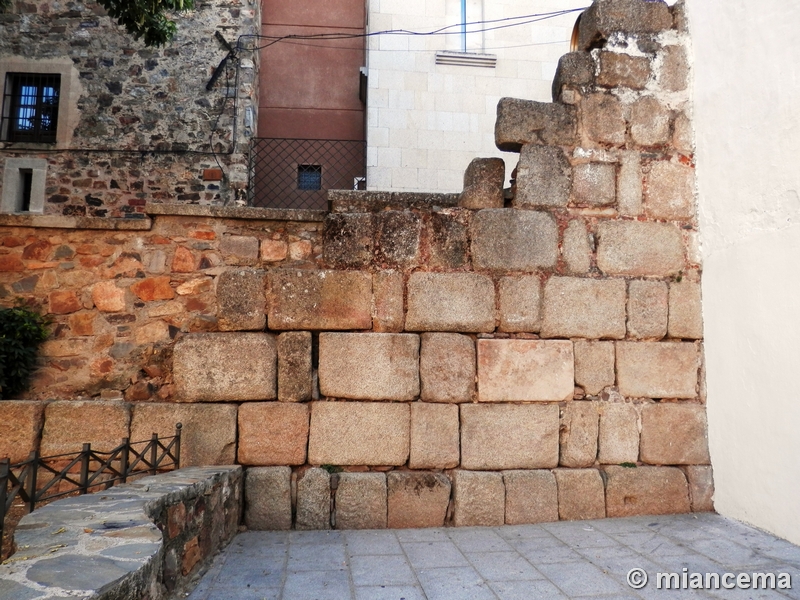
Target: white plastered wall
x: 747, y: 122
x: 426, y: 122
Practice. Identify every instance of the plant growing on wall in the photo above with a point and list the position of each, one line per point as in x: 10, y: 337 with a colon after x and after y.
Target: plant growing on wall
x: 22, y: 330
x: 141, y: 18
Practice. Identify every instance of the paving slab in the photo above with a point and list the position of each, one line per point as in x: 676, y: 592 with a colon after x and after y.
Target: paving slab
x: 585, y: 559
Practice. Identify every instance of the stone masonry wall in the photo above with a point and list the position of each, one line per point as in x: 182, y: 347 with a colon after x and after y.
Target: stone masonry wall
x: 141, y: 117
x: 417, y: 360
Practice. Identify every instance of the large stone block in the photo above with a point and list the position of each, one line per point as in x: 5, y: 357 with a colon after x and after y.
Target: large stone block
x: 387, y: 301
x: 575, y: 70
x: 657, y: 369
x: 582, y: 307
x: 369, y: 366
x: 307, y: 299
x: 685, y: 310
x: 578, y: 439
x: 241, y: 300
x: 313, y: 499
x: 525, y: 370
x: 669, y: 191
x: 447, y: 367
x: 647, y: 309
x: 450, y: 302
x: 645, y: 491
x: 361, y: 501
x: 618, y: 441
x: 294, y: 366
x: 359, y: 433
x: 605, y: 17
x: 531, y: 497
x: 580, y: 494
x: 225, y: 366
x: 594, y: 184
x: 20, y: 428
x: 509, y: 436
x: 520, y: 303
x: 623, y: 70
x: 347, y: 240
x: 649, y: 122
x: 268, y: 498
x: 544, y: 176
x: 273, y: 433
x: 239, y: 249
x: 397, y: 235
x: 674, y: 434
x: 701, y: 487
x: 603, y: 118
x: 208, y: 435
x: 576, y: 249
x: 521, y: 122
x: 629, y: 184
x: 435, y: 442
x: 478, y: 499
x: 448, y: 239
x: 506, y: 239
x: 417, y: 499
x: 594, y: 366
x: 70, y: 424
x: 674, y: 72
x: 640, y: 248
x: 483, y: 184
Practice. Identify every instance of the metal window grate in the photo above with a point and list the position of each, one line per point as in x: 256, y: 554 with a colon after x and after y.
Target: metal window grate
x: 30, y: 107
x: 297, y: 173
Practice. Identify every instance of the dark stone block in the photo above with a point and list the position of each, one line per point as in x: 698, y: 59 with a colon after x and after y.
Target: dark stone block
x: 397, y: 239
x: 348, y: 240
x: 522, y: 122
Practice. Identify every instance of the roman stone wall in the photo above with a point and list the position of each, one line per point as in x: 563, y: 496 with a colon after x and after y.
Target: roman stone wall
x: 138, y: 123
x: 415, y: 360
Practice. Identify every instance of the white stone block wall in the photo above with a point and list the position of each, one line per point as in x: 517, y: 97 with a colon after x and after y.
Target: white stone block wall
x: 426, y: 122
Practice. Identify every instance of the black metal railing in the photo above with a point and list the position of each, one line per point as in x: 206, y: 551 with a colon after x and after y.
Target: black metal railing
x: 83, y: 471
x: 295, y: 173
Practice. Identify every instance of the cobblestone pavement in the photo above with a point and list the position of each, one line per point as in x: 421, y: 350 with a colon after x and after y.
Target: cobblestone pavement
x: 576, y: 559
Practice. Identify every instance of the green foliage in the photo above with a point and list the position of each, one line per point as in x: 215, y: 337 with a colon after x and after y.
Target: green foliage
x: 628, y: 465
x: 146, y: 18
x: 332, y: 468
x: 4, y: 5
x: 22, y: 329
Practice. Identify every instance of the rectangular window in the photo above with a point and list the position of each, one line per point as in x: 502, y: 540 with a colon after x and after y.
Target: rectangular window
x: 309, y: 177
x: 30, y: 107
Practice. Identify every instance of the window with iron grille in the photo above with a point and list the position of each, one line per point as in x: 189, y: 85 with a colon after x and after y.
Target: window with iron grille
x: 30, y: 107
x: 309, y: 177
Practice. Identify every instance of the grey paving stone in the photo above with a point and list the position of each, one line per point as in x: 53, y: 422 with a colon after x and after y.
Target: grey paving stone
x: 366, y: 542
x: 478, y: 539
x: 433, y: 555
x: 580, y: 579
x: 462, y: 583
x: 526, y: 590
x: 316, y: 537
x: 580, y: 534
x: 390, y: 569
x: 729, y: 553
x: 316, y: 557
x: 503, y: 566
x: 244, y: 593
x: 650, y: 543
x: 422, y: 535
x: 389, y: 592
x: 317, y: 585
x: 522, y: 532
x: 545, y: 550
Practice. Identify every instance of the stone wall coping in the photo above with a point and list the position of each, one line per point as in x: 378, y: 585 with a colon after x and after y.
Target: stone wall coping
x: 103, y: 545
x: 65, y: 222
x: 235, y: 212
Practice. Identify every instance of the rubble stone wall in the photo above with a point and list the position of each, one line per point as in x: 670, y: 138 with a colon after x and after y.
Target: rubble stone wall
x: 412, y: 360
x: 140, y: 126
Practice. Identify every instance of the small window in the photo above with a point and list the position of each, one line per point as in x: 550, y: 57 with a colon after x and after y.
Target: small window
x: 30, y: 107
x: 309, y: 177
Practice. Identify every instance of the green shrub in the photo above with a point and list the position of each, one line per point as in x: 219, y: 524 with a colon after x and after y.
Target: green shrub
x: 22, y: 329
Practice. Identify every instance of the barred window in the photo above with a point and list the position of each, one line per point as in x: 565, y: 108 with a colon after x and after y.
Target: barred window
x: 309, y: 177
x: 30, y: 107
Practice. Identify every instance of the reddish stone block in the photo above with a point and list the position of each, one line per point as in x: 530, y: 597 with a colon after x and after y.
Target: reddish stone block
x: 645, y: 491
x: 20, y: 426
x: 108, y: 297
x: 153, y: 288
x: 62, y: 303
x: 38, y: 250
x: 191, y: 556
x: 273, y: 433
x: 183, y: 261
x: 82, y: 323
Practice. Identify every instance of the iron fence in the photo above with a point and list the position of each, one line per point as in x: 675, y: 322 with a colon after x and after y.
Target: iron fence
x: 296, y: 173
x: 83, y: 470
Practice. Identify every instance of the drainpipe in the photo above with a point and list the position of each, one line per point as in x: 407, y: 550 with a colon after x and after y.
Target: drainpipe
x: 463, y: 25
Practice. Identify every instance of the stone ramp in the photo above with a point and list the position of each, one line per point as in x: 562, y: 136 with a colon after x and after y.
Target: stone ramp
x: 586, y: 559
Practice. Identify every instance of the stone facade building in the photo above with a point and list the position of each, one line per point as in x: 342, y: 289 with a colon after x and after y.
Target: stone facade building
x: 412, y: 359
